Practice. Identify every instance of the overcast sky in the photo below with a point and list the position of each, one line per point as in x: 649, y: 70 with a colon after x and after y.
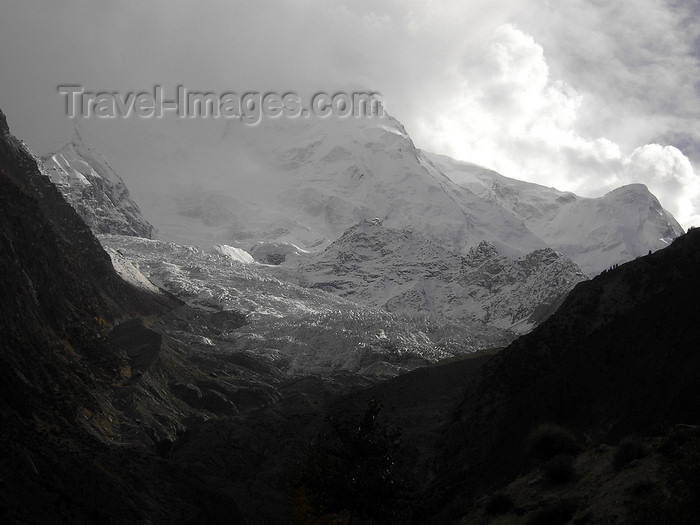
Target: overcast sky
x: 583, y: 95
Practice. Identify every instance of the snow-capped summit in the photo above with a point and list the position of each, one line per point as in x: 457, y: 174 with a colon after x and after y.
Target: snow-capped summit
x: 596, y: 233
x: 96, y: 192
x: 306, y: 181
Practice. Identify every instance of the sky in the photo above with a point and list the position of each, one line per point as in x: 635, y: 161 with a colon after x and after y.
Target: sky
x: 582, y: 95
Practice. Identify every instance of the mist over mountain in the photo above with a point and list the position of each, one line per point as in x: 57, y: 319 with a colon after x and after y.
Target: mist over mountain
x: 306, y: 181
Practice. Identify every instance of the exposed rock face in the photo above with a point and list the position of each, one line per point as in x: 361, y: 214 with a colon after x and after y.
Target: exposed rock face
x: 97, y: 193
x: 404, y: 272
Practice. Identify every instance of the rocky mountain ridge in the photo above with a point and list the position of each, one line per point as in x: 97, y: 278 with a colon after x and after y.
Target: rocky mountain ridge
x: 403, y: 272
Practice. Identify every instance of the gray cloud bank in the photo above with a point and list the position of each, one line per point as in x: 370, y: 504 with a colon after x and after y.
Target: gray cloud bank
x: 580, y: 95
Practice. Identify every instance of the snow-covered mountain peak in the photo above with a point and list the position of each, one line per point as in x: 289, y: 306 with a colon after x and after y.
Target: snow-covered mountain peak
x: 76, y: 156
x: 596, y: 233
x: 96, y: 192
x: 305, y: 181
x: 635, y: 194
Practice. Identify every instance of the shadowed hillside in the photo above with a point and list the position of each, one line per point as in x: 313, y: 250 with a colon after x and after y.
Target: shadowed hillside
x: 619, y: 357
x: 59, y: 296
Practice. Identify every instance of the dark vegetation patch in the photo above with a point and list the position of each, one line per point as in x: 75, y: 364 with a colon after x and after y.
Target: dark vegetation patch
x: 549, y: 440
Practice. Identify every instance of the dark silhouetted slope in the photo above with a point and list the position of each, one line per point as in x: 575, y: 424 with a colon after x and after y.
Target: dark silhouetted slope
x: 59, y: 295
x: 620, y: 356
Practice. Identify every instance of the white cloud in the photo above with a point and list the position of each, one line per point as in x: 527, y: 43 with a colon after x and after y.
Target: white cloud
x: 512, y: 116
x: 508, y: 114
